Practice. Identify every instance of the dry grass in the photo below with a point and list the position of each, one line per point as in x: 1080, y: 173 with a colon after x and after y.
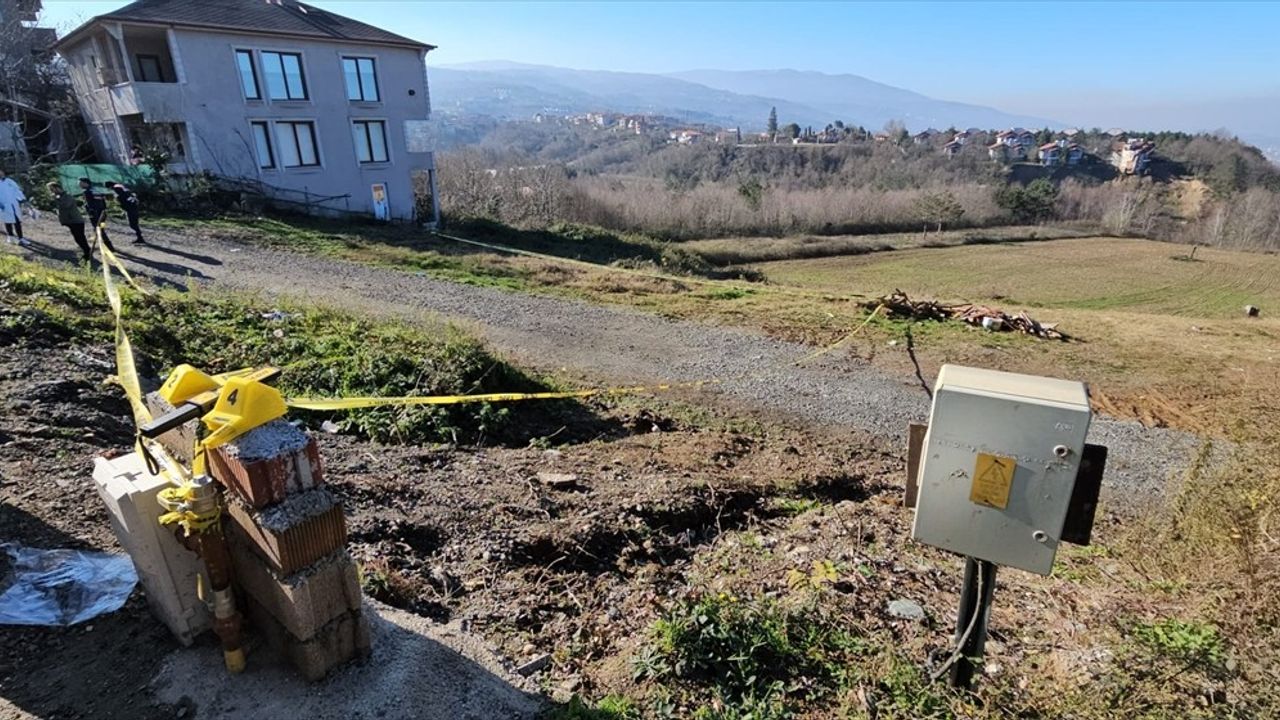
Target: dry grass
x: 1085, y: 273
x: 742, y: 250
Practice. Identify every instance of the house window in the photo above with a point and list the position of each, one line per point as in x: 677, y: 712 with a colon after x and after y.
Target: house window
x: 283, y: 72
x: 362, y: 79
x: 149, y: 69
x: 262, y: 141
x: 248, y: 75
x: 296, y: 143
x: 371, y: 140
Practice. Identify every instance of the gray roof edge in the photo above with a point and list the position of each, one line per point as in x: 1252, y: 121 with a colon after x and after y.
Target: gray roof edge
x: 67, y: 40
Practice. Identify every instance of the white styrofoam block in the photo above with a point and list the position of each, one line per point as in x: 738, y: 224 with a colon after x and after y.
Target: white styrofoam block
x: 1036, y: 427
x: 168, y: 571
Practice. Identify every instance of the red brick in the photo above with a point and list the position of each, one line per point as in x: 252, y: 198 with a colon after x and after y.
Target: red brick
x: 295, y: 533
x: 304, y: 601
x: 268, y: 463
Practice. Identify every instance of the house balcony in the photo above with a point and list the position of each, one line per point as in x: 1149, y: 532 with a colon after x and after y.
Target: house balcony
x: 156, y: 102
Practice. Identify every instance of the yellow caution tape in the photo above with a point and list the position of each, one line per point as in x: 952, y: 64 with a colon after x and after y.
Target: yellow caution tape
x: 126, y: 370
x: 368, y: 402
x: 843, y: 340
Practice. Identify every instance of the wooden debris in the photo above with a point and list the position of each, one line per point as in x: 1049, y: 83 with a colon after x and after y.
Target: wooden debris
x: 898, y: 304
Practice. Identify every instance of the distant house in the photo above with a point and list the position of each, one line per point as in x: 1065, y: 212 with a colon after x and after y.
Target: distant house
x: 962, y: 137
x: 952, y: 148
x: 1070, y: 132
x: 923, y: 137
x: 1115, y: 132
x: 315, y: 109
x: 1050, y: 154
x: 1132, y: 157
x: 731, y: 136
x: 1026, y: 138
x: 1075, y: 153
x: 998, y: 151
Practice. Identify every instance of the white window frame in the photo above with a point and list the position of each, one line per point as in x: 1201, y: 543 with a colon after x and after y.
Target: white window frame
x: 315, y: 141
x: 265, y: 90
x: 377, y: 83
x: 386, y: 140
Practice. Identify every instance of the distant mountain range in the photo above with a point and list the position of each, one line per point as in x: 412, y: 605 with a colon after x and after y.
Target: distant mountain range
x: 508, y: 90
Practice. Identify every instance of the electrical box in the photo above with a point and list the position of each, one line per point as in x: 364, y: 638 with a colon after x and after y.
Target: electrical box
x: 999, y: 465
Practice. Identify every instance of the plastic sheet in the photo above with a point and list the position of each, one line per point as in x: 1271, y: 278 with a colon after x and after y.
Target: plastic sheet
x: 62, y: 587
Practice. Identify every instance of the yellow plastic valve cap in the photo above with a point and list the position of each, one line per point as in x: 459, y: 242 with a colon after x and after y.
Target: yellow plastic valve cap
x: 243, y: 404
x: 184, y: 383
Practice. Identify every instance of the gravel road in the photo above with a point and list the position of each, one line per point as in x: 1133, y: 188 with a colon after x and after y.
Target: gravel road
x: 619, y: 345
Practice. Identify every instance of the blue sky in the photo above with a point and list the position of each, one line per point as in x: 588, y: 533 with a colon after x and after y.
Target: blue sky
x: 1048, y: 59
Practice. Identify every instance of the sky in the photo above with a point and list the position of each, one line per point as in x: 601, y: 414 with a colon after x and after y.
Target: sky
x: 1129, y: 64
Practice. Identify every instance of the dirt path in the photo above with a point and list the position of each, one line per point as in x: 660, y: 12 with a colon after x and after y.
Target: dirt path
x: 617, y: 345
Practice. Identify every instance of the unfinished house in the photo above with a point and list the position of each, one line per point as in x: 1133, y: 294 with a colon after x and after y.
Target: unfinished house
x: 315, y: 111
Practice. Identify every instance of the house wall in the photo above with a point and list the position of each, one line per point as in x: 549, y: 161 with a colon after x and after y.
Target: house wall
x: 217, y: 116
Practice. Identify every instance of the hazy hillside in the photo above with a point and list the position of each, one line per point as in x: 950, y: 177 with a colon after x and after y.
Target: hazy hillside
x: 853, y: 97
x: 509, y: 90
x: 513, y: 90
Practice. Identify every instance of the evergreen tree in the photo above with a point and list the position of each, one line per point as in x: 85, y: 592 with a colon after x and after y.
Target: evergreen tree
x: 773, y: 121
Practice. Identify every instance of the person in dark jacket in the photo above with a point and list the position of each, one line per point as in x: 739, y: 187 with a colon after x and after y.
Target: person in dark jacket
x: 95, y: 204
x: 128, y: 200
x: 70, y: 218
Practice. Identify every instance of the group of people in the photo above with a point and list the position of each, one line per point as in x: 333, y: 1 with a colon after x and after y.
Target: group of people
x: 13, y: 200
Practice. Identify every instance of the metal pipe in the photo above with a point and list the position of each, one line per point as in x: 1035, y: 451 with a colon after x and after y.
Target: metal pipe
x: 971, y: 625
x: 217, y: 561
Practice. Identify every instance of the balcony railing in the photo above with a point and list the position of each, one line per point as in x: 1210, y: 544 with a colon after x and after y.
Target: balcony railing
x: 156, y: 102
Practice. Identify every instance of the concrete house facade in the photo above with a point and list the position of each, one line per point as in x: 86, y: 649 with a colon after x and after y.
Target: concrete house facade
x: 308, y: 107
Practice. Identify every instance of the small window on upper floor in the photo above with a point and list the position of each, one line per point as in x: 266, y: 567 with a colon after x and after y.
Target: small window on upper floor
x: 362, y: 78
x: 248, y: 75
x: 283, y: 72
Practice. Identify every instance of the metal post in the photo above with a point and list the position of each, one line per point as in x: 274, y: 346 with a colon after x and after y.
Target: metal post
x: 975, y: 610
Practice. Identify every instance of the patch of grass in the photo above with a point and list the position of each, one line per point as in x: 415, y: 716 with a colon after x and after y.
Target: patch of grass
x: 752, y: 658
x: 610, y: 707
x: 1182, y: 641
x: 796, y: 506
x: 323, y: 353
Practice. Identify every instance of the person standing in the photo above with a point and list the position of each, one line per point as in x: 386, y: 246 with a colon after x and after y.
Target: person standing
x: 96, y: 205
x: 69, y: 216
x: 11, y: 201
x: 128, y: 200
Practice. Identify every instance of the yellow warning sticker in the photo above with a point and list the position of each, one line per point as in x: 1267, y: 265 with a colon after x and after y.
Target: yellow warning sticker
x: 992, y: 480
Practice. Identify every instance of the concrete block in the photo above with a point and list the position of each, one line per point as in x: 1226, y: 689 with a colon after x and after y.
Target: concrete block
x: 168, y: 571
x: 342, y: 640
x: 268, y: 463
x: 304, y: 601
x: 181, y: 441
x: 294, y: 533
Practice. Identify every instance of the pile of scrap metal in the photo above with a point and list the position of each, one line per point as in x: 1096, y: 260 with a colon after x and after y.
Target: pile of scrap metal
x: 898, y: 304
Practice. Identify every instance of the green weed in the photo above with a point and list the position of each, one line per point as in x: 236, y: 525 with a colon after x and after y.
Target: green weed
x: 1182, y: 641
x: 748, y: 658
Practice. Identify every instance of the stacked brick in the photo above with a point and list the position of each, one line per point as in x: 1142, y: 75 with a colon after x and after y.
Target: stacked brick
x: 287, y: 537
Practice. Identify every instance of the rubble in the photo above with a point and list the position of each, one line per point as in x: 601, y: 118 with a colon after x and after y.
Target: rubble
x: 898, y: 304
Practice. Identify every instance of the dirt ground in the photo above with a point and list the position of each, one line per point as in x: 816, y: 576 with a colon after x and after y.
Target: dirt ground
x: 569, y: 551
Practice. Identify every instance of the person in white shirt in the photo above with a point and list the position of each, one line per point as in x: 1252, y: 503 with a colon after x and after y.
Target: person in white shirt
x: 11, y: 202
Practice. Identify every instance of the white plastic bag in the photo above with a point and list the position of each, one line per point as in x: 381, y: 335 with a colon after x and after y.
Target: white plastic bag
x: 62, y: 587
